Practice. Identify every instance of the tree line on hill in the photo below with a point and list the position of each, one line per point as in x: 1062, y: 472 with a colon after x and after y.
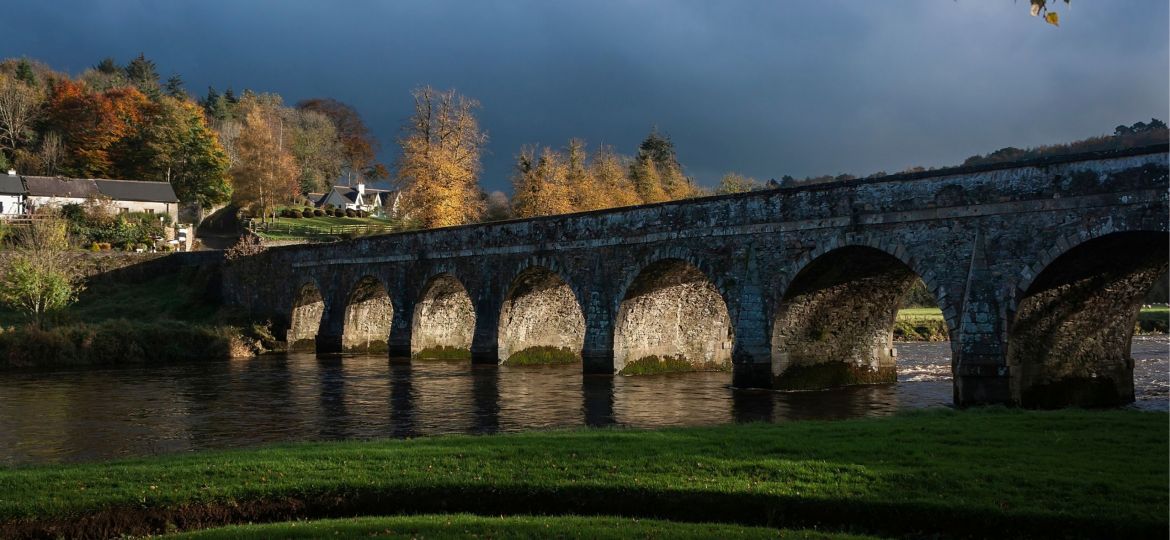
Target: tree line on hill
x: 124, y: 121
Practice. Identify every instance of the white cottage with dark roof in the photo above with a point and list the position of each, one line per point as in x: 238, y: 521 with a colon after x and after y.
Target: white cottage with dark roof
x: 121, y: 195
x: 358, y: 197
x: 11, y: 195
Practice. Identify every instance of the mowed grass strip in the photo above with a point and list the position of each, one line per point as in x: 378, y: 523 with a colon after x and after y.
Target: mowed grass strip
x: 942, y: 472
x: 470, y: 526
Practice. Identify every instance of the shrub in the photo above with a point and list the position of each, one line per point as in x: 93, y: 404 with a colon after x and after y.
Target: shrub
x: 318, y: 212
x: 307, y: 212
x: 294, y: 214
x: 350, y: 213
x: 95, y: 247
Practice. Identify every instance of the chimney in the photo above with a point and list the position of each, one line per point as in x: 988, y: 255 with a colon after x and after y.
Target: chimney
x: 361, y: 189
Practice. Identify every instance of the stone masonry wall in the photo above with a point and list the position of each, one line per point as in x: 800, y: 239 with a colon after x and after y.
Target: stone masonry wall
x: 977, y: 236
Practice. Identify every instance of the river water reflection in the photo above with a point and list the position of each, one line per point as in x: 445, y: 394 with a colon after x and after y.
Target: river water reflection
x: 94, y: 414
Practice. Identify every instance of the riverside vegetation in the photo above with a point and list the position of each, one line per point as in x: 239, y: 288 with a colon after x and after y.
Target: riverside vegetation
x: 936, y: 473
x: 169, y: 316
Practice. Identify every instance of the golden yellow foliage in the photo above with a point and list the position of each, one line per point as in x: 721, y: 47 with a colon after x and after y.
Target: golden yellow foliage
x: 265, y: 173
x: 439, y: 166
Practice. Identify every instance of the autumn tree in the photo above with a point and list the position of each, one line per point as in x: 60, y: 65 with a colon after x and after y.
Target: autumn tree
x: 737, y: 183
x: 610, y: 173
x: 265, y: 174
x: 439, y: 166
x: 20, y: 107
x: 540, y: 184
x: 182, y: 149
x: 585, y: 191
x: 359, y: 146
x: 313, y: 141
x: 647, y: 180
x: 91, y: 124
x: 656, y: 172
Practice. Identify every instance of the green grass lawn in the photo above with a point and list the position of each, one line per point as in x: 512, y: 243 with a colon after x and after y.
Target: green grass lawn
x: 990, y: 472
x: 330, y: 227
x: 468, y: 526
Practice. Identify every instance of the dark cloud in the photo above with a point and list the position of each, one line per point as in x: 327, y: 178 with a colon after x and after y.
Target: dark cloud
x: 763, y: 88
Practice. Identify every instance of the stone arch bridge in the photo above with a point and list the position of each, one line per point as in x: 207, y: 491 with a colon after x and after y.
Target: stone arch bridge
x: 1039, y: 268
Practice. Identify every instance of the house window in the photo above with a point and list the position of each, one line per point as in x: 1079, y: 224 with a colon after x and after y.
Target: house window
x: 1, y: 207
x: 150, y: 210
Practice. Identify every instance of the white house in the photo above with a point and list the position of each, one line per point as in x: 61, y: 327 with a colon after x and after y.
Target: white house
x: 11, y: 195
x: 121, y: 195
x: 359, y: 197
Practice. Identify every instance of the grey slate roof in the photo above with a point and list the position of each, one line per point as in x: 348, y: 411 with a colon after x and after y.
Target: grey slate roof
x: 82, y: 188
x: 56, y: 186
x: 137, y: 190
x: 10, y: 184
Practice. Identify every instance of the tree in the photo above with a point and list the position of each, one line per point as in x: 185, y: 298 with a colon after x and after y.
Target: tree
x: 20, y: 107
x: 647, y: 181
x: 143, y: 74
x: 174, y: 87
x: 314, y: 143
x: 52, y: 153
x: 737, y: 183
x: 91, y: 124
x: 497, y: 207
x: 37, y: 278
x: 439, y: 166
x: 540, y: 184
x: 656, y: 157
x: 359, y: 146
x: 611, y: 175
x: 265, y: 174
x: 178, y: 146
x: 1041, y: 6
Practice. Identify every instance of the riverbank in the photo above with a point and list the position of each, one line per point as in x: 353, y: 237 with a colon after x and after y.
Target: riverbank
x: 948, y: 473
x: 129, y: 315
x: 927, y: 324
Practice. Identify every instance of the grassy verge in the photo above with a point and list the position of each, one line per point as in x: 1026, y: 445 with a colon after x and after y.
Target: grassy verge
x: 469, y: 526
x: 975, y: 473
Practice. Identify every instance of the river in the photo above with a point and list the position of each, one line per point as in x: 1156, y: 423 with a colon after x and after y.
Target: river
x: 104, y: 413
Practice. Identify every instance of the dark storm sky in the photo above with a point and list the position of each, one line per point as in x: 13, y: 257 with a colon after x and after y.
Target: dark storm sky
x: 762, y: 88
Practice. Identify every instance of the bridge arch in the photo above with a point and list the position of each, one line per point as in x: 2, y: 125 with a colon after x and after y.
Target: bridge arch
x: 1071, y: 323
x: 308, y: 308
x: 672, y: 317
x: 834, y: 322
x: 444, y: 320
x: 369, y: 314
x: 541, y: 320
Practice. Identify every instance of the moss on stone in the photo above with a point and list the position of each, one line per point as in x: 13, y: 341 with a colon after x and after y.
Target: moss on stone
x: 445, y: 352
x: 831, y: 374
x: 651, y: 365
x: 372, y: 347
x: 542, y: 355
x: 309, y: 344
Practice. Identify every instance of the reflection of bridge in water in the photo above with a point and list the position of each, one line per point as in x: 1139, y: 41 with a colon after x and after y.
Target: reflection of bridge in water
x: 1039, y: 269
